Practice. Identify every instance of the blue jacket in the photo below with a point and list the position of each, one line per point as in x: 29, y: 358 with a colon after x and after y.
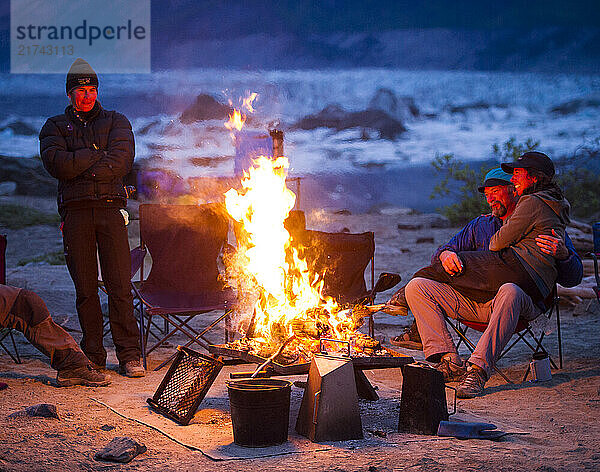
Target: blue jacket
x: 476, y: 235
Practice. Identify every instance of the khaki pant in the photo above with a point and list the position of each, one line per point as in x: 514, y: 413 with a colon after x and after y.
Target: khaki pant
x: 429, y: 301
x: 30, y: 316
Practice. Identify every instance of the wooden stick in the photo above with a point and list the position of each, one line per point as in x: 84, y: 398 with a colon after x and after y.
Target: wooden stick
x: 272, y: 358
x: 389, y: 309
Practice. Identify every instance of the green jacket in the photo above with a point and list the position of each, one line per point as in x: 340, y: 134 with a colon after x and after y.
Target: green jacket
x: 535, y: 214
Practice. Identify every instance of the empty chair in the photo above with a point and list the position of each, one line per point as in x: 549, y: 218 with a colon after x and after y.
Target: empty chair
x: 184, y: 242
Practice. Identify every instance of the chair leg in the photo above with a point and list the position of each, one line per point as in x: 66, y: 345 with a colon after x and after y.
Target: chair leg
x: 560, y: 357
x: 197, y: 338
x: 464, y: 331
x: 15, y: 357
x: 142, y: 337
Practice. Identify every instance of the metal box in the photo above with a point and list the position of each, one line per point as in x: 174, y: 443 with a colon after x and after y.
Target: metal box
x: 329, y: 409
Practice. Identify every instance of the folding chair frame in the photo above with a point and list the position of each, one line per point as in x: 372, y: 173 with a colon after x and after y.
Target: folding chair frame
x: 597, y: 275
x: 5, y: 332
x: 178, y: 320
x: 8, y: 332
x: 525, y: 329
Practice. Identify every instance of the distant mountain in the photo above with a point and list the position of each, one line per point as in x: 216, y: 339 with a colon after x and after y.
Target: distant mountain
x: 539, y: 35
x: 548, y: 50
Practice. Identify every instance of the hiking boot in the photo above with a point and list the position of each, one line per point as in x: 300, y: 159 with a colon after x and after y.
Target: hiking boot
x: 472, y: 383
x: 132, y: 369
x: 409, y: 339
x: 82, y: 376
x: 99, y: 367
x: 452, y: 372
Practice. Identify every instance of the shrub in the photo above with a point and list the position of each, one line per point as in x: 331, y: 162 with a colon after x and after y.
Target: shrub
x: 578, y: 175
x: 52, y: 258
x: 458, y: 174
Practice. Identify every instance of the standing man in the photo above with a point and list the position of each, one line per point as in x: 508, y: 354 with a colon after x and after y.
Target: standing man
x: 89, y: 150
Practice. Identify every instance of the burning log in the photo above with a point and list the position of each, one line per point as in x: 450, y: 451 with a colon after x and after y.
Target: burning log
x: 273, y: 357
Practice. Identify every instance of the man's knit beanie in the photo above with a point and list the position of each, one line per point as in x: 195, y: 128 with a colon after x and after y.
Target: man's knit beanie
x: 81, y: 74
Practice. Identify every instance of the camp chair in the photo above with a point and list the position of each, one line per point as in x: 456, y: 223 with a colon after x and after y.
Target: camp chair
x: 342, y: 258
x: 184, y: 242
x: 523, y: 331
x: 6, y: 332
x: 137, y: 255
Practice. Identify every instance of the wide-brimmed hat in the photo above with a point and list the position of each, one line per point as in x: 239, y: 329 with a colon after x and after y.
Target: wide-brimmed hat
x: 495, y: 177
x: 531, y: 160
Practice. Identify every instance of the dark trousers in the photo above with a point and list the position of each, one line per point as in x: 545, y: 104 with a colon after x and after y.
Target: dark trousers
x: 85, y: 231
x: 484, y: 272
x: 30, y: 316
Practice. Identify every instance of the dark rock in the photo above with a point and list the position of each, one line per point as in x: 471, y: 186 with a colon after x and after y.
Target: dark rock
x: 8, y: 188
x: 29, y: 175
x: 574, y: 106
x: 206, y: 107
x: 380, y: 433
x: 472, y: 106
x: 3, y: 386
x: 425, y: 240
x: 335, y: 117
x: 120, y: 449
x: 146, y: 129
x: 433, y: 220
x: 436, y: 220
x: 400, y: 108
x: 107, y: 427
x: 342, y: 212
x: 18, y: 127
x: 410, y: 226
x: 45, y: 410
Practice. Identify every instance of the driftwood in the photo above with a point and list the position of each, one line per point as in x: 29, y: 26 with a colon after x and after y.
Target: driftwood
x: 573, y: 296
x: 582, y: 241
x: 579, y: 291
x: 588, y: 267
x: 583, y: 227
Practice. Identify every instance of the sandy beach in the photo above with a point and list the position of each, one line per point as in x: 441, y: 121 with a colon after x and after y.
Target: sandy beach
x: 553, y: 424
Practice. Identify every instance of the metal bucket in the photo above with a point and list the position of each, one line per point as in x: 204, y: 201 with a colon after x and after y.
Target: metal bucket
x: 260, y: 411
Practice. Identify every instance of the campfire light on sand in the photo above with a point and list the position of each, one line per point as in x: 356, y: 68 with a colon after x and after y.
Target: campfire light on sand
x: 284, y: 298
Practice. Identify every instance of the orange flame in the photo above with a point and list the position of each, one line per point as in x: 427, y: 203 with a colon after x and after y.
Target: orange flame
x: 275, y: 286
x: 247, y: 102
x: 267, y: 270
x: 236, y: 121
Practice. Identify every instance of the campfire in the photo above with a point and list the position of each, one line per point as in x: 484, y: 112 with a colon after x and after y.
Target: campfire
x: 280, y: 300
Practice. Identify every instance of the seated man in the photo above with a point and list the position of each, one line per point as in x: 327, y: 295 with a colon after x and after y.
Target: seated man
x: 26, y: 312
x: 475, y: 236
x: 430, y: 300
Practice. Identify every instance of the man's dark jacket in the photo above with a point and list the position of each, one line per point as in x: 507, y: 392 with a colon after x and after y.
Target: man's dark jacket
x: 89, y: 156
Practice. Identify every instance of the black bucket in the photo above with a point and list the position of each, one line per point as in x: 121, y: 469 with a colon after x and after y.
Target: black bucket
x: 260, y: 411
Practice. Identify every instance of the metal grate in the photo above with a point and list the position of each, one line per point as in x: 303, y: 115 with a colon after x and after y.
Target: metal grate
x: 185, y: 385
